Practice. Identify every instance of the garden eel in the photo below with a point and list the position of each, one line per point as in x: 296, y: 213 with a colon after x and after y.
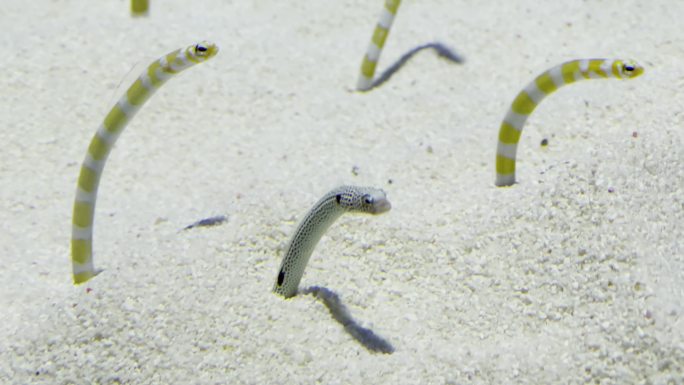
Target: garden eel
x: 310, y: 230
x: 140, y: 7
x: 543, y: 85
x: 116, y: 120
x: 370, y: 59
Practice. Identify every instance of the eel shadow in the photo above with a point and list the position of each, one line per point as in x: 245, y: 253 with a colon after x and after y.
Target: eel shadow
x: 338, y: 310
x: 442, y: 51
x: 208, y: 222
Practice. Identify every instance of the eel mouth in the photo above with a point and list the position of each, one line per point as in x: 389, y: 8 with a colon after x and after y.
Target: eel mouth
x: 381, y: 206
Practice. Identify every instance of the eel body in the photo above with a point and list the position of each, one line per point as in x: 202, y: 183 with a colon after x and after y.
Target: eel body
x: 543, y: 85
x: 102, y: 142
x: 310, y: 230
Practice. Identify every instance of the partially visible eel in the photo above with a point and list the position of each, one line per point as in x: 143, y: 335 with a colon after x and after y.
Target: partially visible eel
x: 367, y: 80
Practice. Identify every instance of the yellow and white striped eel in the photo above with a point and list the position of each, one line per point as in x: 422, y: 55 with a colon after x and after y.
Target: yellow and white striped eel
x: 310, y: 230
x: 116, y: 120
x: 370, y: 60
x: 543, y: 85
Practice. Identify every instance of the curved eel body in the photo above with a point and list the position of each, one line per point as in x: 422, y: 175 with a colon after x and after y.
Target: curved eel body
x: 366, y: 80
x: 116, y: 120
x: 543, y: 85
x: 335, y: 203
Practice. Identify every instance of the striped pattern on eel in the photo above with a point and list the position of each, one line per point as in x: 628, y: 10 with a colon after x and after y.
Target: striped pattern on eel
x: 370, y: 60
x: 366, y: 80
x: 543, y: 85
x: 116, y: 120
x: 310, y: 230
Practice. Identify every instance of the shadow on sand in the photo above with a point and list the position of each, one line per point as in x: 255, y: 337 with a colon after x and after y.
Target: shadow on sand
x: 442, y: 51
x: 338, y: 310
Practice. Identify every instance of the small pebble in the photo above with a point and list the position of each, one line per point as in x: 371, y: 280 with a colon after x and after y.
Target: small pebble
x: 544, y: 142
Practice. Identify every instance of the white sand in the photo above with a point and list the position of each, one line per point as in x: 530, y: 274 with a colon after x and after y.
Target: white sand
x: 553, y: 281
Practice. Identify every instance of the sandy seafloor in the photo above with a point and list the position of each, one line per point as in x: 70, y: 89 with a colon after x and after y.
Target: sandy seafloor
x: 574, y: 275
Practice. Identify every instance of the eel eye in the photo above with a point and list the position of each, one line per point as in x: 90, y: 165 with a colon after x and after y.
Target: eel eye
x: 368, y: 199
x: 628, y: 68
x: 200, y: 48
x: 338, y: 198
